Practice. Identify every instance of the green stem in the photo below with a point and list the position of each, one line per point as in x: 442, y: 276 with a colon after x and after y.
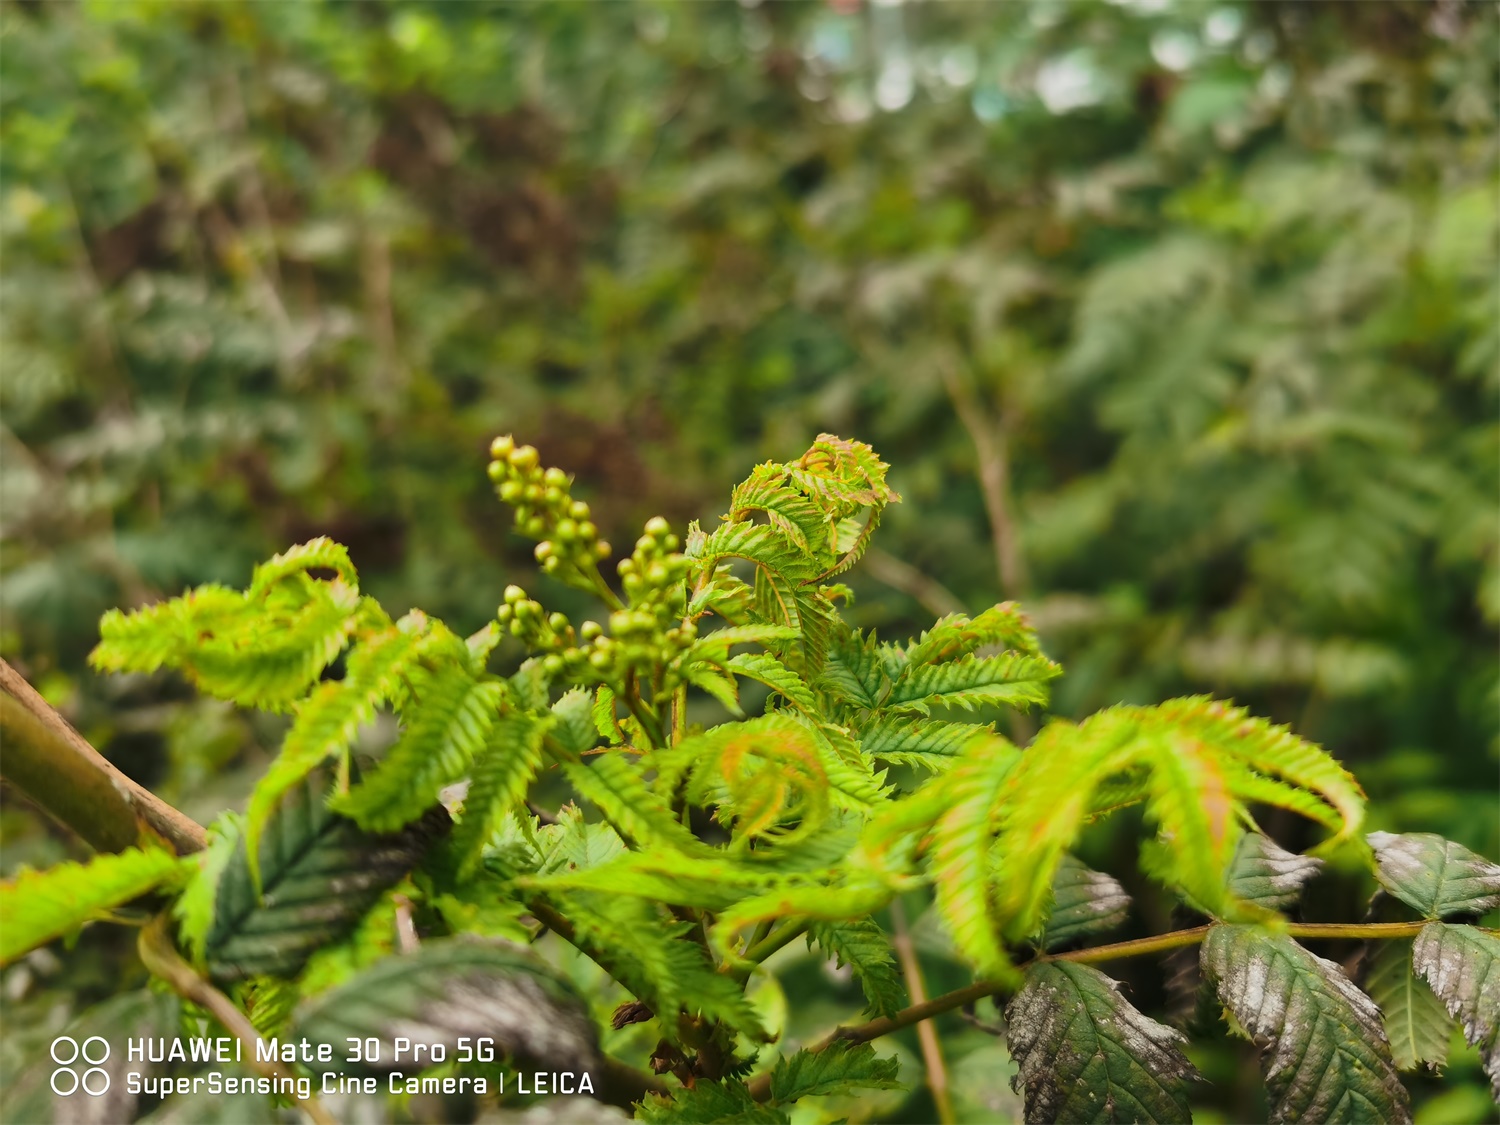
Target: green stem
x: 760, y: 1087
x: 769, y: 944
x: 160, y: 956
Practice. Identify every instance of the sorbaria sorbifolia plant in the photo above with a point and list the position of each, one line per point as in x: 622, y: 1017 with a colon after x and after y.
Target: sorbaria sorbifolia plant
x: 353, y: 904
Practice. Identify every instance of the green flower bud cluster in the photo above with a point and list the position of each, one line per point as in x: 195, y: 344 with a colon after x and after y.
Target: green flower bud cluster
x: 551, y: 634
x: 653, y: 578
x: 545, y: 509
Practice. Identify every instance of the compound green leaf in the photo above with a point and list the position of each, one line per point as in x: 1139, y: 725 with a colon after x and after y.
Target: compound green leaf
x: 38, y: 906
x: 972, y: 681
x: 929, y: 743
x: 709, y: 1103
x: 1327, y: 1057
x: 1435, y: 876
x: 1462, y: 966
x: 1084, y: 902
x: 854, y: 672
x: 319, y: 873
x: 840, y: 1068
x: 1084, y: 1054
x: 956, y: 635
x: 456, y: 988
x: 328, y: 720
x: 448, y: 721
x: 861, y: 944
x: 574, y: 727
x: 1416, y: 1023
x: 1265, y: 874
x: 778, y: 677
x: 498, y: 782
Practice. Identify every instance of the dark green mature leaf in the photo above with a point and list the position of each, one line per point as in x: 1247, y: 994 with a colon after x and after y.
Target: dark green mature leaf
x: 38, y: 906
x: 1434, y: 875
x: 839, y: 1068
x: 454, y: 988
x: 1266, y: 874
x: 1462, y: 965
x: 1328, y: 1059
x: 319, y: 874
x: 709, y: 1103
x: 1086, y: 1055
x: 863, y: 946
x: 1416, y: 1023
x: 1084, y: 902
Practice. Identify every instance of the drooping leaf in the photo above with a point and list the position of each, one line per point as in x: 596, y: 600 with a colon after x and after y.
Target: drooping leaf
x: 1198, y: 763
x: 1462, y: 966
x: 497, y: 783
x: 38, y: 906
x: 319, y: 874
x: 776, y: 676
x: 448, y: 721
x: 1085, y: 1054
x: 1435, y: 876
x: 861, y: 944
x: 658, y: 961
x: 1266, y: 874
x: 956, y: 635
x: 614, y: 784
x: 1084, y: 902
x: 1416, y: 1023
x: 328, y: 720
x: 961, y: 852
x: 709, y: 1103
x: 450, y: 989
x: 839, y: 1068
x: 1327, y: 1057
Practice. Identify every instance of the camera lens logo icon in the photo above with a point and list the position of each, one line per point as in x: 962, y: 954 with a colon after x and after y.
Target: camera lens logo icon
x: 72, y: 1056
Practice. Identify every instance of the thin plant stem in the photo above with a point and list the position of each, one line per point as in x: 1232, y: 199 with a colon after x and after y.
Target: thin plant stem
x: 927, y: 1037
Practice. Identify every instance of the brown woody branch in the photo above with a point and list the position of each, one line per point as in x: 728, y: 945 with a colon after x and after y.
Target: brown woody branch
x: 56, y: 768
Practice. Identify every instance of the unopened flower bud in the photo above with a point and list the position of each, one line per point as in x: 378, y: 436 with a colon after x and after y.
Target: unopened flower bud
x: 559, y: 622
x: 524, y: 457
x: 500, y: 448
x: 590, y: 630
x: 656, y: 526
x: 512, y: 491
x: 578, y: 510
x: 514, y: 594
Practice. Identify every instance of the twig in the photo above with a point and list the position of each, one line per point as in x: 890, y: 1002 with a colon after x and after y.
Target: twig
x: 760, y: 1087
x: 927, y: 1039
x: 926, y: 591
x: 160, y: 956
x: 991, y: 446
x: 56, y: 768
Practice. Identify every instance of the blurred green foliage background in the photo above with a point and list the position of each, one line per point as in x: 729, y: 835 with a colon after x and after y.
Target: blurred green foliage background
x: 1177, y: 321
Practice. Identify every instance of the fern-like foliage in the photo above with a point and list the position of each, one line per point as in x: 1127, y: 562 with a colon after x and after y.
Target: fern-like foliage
x: 592, y: 807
